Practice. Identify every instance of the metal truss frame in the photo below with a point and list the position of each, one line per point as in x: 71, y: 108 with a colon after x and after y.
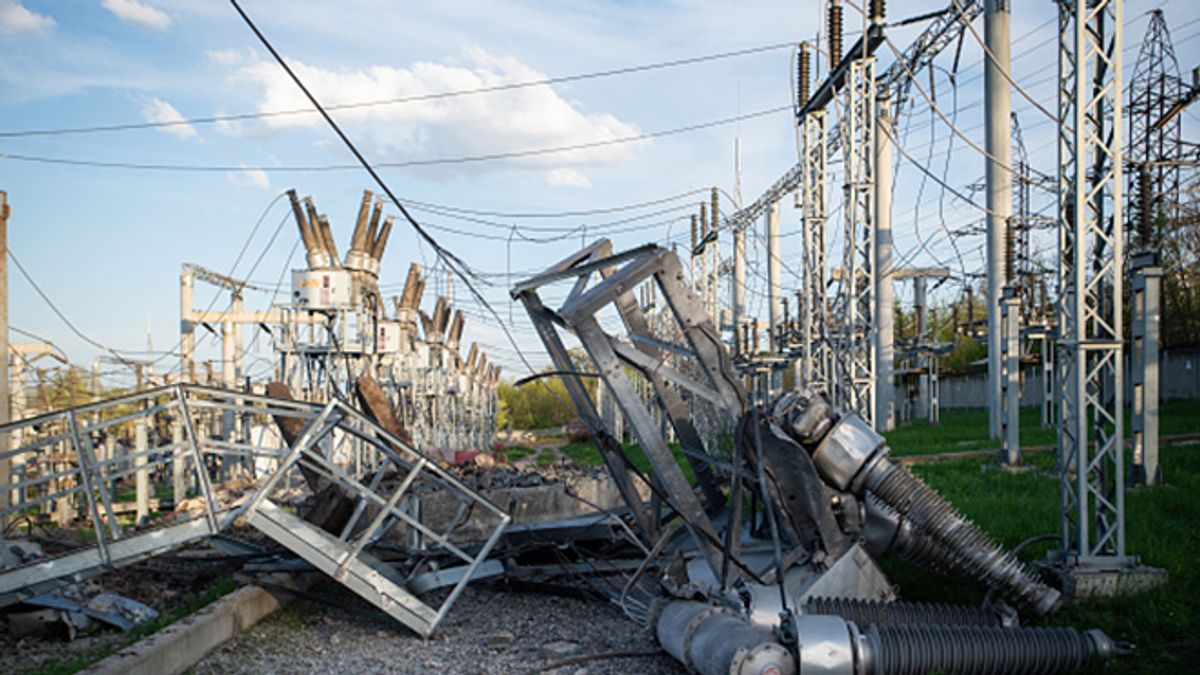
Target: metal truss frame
x: 603, y: 280
x: 339, y: 447
x: 816, y: 354
x: 857, y: 123
x: 1090, y: 311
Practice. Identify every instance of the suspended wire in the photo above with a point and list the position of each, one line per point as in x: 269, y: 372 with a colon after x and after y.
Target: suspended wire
x: 415, y: 98
x: 63, y: 317
x: 452, y: 262
x: 465, y: 159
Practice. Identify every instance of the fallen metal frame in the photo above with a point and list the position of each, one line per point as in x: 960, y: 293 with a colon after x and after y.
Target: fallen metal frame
x: 377, y: 506
x: 602, y: 280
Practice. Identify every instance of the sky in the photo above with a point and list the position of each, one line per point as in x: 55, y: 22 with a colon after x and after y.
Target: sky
x: 105, y: 243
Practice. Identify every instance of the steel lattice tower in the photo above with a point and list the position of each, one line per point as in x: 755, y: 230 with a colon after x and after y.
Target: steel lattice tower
x: 1090, y: 226
x: 858, y: 282
x: 1022, y: 223
x: 1153, y: 89
x: 817, y: 355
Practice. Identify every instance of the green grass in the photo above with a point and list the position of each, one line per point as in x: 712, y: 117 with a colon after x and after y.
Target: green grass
x: 190, y: 605
x: 1163, y: 623
x: 515, y: 452
x: 1161, y: 529
x: 968, y: 430
x: 547, y: 457
x: 587, y: 454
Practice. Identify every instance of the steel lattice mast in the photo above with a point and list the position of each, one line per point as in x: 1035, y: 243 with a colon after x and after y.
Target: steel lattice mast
x: 1154, y: 88
x: 857, y: 126
x: 1091, y: 427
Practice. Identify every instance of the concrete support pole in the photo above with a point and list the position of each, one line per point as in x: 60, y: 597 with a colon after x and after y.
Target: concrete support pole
x: 5, y: 462
x: 239, y: 347
x: 738, y: 289
x: 997, y: 111
x: 1010, y: 436
x: 714, y: 272
x: 142, y: 480
x: 775, y: 286
x: 1048, y: 380
x: 1147, y: 296
x: 885, y: 418
x: 187, y: 329
x: 178, y: 464
x: 923, y: 359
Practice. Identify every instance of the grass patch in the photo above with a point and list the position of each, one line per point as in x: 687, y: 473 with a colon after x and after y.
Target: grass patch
x: 547, y: 457
x: 967, y: 429
x: 587, y: 454
x: 515, y: 452
x: 188, y: 606
x: 1160, y: 528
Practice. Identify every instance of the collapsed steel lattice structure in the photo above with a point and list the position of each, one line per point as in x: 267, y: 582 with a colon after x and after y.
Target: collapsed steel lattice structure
x: 357, y: 477
x: 792, y: 503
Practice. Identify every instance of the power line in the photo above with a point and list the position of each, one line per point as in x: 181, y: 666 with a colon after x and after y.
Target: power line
x: 436, y: 161
x: 235, y: 117
x: 54, y: 308
x: 452, y: 262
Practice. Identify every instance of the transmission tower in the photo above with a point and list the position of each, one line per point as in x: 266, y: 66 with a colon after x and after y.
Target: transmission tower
x: 1154, y: 88
x: 1022, y: 223
x: 1090, y: 312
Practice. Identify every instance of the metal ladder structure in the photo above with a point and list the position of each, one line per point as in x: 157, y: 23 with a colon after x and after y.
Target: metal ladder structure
x: 72, y: 467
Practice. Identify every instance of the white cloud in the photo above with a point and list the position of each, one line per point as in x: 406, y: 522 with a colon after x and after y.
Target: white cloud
x: 470, y: 125
x: 249, y: 177
x: 15, y: 18
x: 159, y: 111
x: 224, y: 57
x: 136, y: 11
x: 567, y: 178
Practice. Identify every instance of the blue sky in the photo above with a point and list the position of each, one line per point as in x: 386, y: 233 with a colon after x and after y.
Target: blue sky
x: 106, y: 243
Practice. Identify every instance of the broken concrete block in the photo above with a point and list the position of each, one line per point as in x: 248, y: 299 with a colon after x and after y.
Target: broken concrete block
x: 560, y: 649
x: 499, y: 639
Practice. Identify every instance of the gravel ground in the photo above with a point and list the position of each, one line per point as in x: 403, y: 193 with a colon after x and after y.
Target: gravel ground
x: 487, y: 631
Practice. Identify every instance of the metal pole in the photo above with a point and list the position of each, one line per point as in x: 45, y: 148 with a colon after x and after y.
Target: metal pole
x: 919, y: 287
x: 774, y: 286
x: 1091, y: 241
x: 998, y: 107
x: 714, y: 273
x: 187, y: 329
x: 739, y: 283
x: 1010, y: 437
x: 5, y: 462
x: 1147, y: 295
x: 885, y: 419
x: 142, y: 480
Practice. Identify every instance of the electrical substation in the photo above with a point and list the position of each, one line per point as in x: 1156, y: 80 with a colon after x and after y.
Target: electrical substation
x: 737, y: 480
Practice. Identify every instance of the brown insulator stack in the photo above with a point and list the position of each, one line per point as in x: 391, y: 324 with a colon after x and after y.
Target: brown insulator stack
x: 835, y: 34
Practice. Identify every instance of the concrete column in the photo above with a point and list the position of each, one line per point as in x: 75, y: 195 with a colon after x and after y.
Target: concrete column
x: 187, y: 329
x: 1010, y: 438
x: 922, y: 359
x: 178, y: 464
x: 885, y: 418
x: 739, y: 282
x: 5, y: 462
x: 1147, y: 296
x: 997, y: 105
x: 775, y: 288
x: 142, y: 481
x: 1048, y: 387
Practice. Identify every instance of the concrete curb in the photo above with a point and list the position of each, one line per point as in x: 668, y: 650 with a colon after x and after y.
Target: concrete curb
x: 181, y: 645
